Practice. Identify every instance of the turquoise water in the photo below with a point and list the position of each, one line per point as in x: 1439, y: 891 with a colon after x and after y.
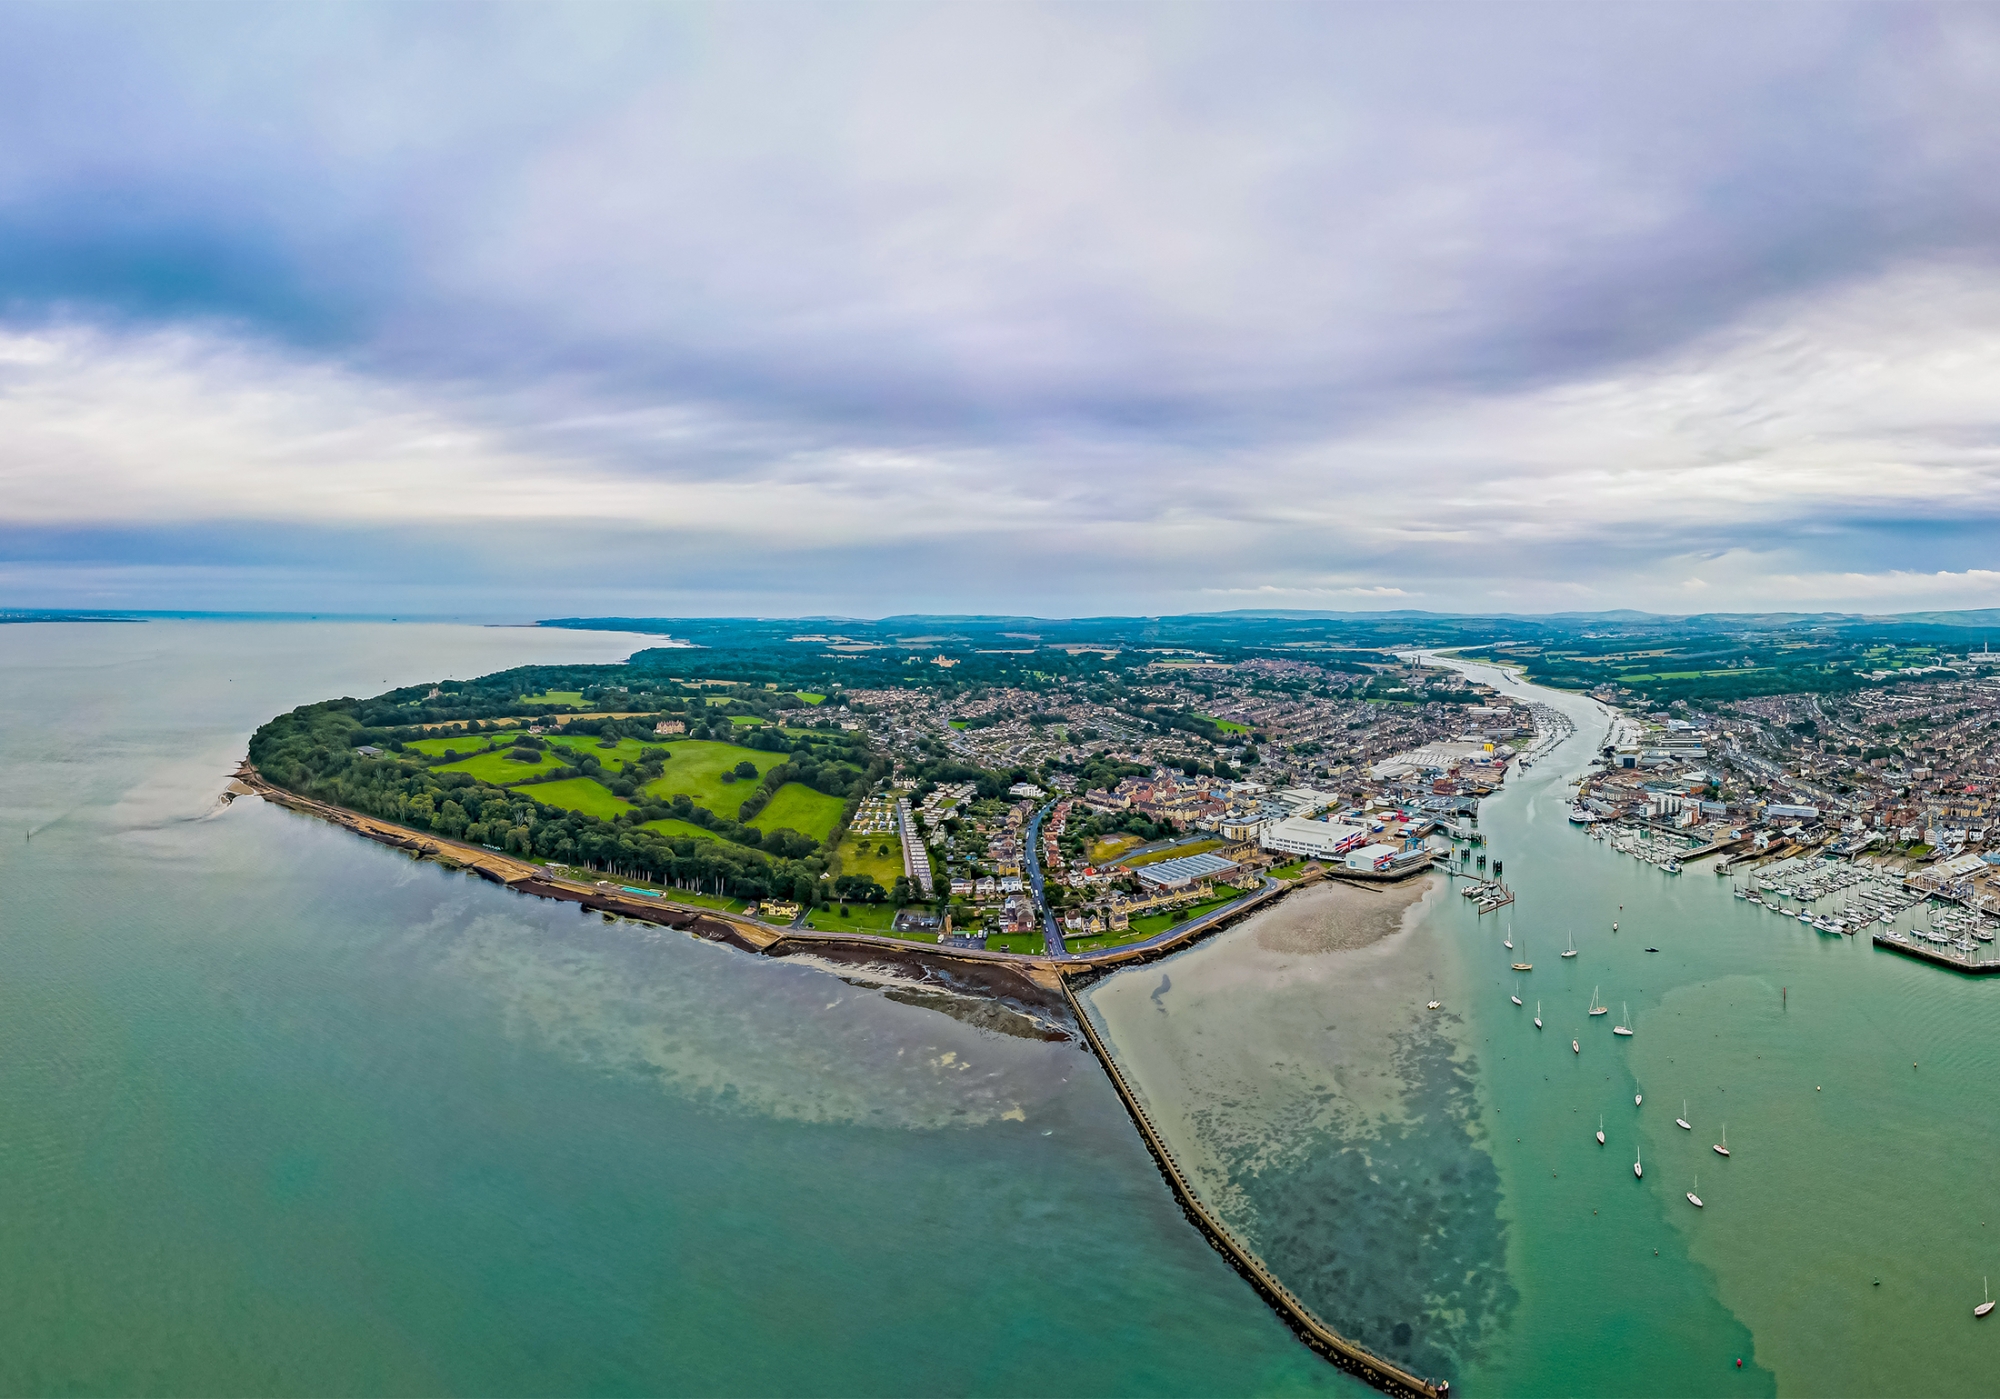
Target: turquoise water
x: 282, y: 1111
x: 1431, y: 1182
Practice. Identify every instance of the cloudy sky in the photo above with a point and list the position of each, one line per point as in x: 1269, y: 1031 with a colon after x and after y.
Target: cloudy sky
x: 546, y: 309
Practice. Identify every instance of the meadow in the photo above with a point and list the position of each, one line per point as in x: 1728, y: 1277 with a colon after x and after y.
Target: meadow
x: 861, y: 918
x: 672, y: 826
x: 857, y: 856
x: 465, y: 745
x: 1111, y: 847
x: 499, y: 769
x: 555, y: 697
x: 578, y: 794
x: 808, y: 812
x: 696, y: 770
x: 627, y: 750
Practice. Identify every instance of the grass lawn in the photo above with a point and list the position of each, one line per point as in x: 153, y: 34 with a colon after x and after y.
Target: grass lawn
x: 669, y: 826
x: 1098, y: 942
x: 959, y: 724
x: 464, y: 744
x: 1228, y: 726
x: 626, y: 751
x: 696, y: 769
x: 861, y: 918
x: 1154, y: 923
x: 555, y: 697
x: 1290, y: 871
x: 578, y: 794
x: 499, y: 769
x: 808, y: 812
x: 1031, y: 943
x: 1199, y: 847
x: 857, y: 856
x: 1111, y: 847
x: 809, y: 697
x: 745, y: 721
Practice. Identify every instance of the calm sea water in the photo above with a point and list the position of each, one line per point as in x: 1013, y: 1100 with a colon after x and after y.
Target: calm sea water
x: 284, y: 1112
x: 1432, y: 1182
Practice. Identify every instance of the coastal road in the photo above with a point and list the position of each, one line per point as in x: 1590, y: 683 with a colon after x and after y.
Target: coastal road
x: 1052, y: 934
x: 1181, y: 930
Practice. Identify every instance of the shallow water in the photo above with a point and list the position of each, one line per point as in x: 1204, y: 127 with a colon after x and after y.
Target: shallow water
x: 282, y: 1111
x: 1439, y: 1172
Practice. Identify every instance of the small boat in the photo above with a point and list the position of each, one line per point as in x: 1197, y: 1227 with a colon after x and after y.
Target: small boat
x: 1638, y: 1098
x: 1600, y: 1130
x: 1682, y: 1121
x: 1515, y: 999
x: 1524, y: 966
x: 1637, y: 1170
x: 1432, y: 1005
x: 1572, y: 946
x: 1595, y: 1008
x: 1614, y: 926
x: 1538, y: 1015
x: 1694, y: 1199
x: 1984, y: 1307
x: 1575, y: 1048
x: 1508, y: 941
x: 1624, y: 1029
x: 1652, y: 949
x: 1722, y: 1147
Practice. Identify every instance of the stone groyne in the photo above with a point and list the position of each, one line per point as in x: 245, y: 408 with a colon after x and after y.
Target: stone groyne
x: 1385, y: 1375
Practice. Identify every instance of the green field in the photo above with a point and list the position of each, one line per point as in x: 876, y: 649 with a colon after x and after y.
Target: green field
x: 578, y: 794
x: 1031, y: 943
x: 1290, y: 871
x: 808, y: 812
x: 1111, y: 847
x: 1154, y: 923
x: 499, y: 769
x: 696, y: 769
x: 745, y: 721
x: 809, y: 697
x: 627, y: 750
x: 959, y: 724
x: 857, y: 856
x: 861, y: 918
x: 1228, y: 726
x: 1199, y: 847
x: 555, y: 697
x: 465, y: 745
x: 668, y: 826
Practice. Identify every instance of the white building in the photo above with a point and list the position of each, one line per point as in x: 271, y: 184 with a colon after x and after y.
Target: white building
x: 1318, y: 840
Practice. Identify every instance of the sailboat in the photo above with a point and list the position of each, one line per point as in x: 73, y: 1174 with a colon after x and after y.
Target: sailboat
x: 1694, y: 1199
x: 1595, y: 1008
x: 1638, y: 1098
x: 1575, y: 1048
x: 1722, y: 1147
x: 1682, y: 1120
x: 1508, y: 941
x: 1538, y: 1015
x: 1637, y: 1169
x: 1523, y: 966
x: 1984, y: 1307
x: 1626, y: 1014
x: 1516, y: 996
x: 1572, y: 946
x: 1614, y: 925
x: 1600, y: 1129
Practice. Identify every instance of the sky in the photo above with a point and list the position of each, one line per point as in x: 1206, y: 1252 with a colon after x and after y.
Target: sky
x: 547, y: 310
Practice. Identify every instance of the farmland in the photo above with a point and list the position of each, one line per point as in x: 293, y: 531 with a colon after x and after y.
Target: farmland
x: 569, y: 697
x: 798, y: 806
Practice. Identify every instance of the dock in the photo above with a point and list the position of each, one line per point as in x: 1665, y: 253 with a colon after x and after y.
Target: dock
x: 1925, y: 953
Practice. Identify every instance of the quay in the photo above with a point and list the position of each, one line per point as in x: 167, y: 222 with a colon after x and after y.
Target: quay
x: 1348, y: 1355
x: 1931, y: 954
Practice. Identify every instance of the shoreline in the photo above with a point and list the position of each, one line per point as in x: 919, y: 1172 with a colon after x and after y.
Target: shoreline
x: 1039, y: 988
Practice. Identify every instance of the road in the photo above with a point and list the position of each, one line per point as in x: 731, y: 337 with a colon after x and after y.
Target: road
x: 1051, y: 933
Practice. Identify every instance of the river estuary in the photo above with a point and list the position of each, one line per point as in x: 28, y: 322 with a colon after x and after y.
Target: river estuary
x: 1431, y: 1182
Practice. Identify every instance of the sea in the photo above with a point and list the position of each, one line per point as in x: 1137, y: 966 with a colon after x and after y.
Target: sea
x: 283, y: 1112
x: 286, y: 1112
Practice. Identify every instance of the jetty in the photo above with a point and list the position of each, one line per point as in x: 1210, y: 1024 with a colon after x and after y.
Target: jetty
x: 1943, y: 958
x: 1351, y: 1356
